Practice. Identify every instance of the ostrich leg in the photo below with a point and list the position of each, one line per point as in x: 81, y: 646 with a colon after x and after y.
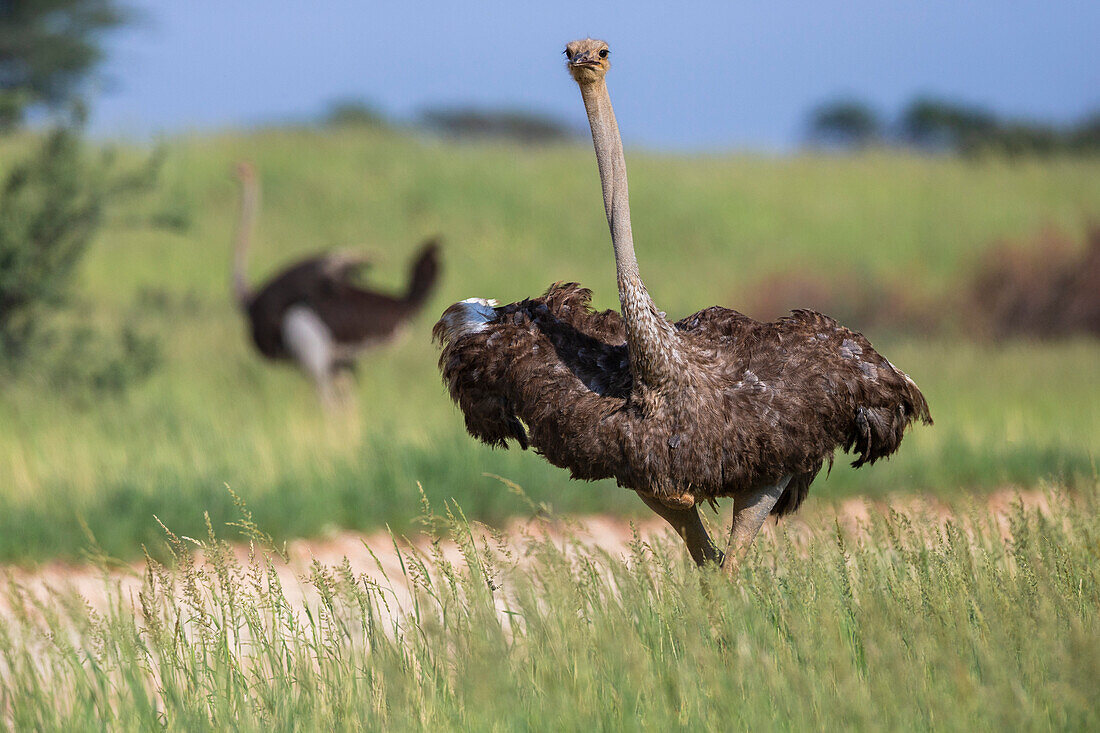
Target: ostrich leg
x: 690, y: 527
x: 749, y: 512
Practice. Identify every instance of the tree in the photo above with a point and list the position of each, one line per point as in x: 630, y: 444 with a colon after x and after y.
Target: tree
x: 935, y: 125
x: 845, y: 123
x: 47, y: 50
x: 1085, y: 135
x: 521, y: 126
x: 353, y: 113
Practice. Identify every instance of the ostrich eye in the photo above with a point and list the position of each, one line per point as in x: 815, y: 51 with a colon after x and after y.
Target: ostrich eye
x: 603, y: 53
x: 566, y: 52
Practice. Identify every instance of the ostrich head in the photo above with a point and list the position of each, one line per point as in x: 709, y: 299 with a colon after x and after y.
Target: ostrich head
x: 588, y: 60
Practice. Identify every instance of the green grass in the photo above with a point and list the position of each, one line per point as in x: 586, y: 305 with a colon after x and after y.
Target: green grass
x: 513, y: 221
x: 904, y: 625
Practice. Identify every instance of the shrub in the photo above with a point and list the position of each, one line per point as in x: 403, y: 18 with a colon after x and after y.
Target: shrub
x: 529, y: 128
x: 1046, y: 288
x: 50, y: 206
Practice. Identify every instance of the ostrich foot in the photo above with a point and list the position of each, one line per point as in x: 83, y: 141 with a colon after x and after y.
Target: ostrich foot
x: 749, y: 512
x: 690, y: 527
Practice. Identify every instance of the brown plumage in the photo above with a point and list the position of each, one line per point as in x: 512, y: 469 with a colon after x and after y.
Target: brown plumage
x: 714, y: 405
x: 312, y: 312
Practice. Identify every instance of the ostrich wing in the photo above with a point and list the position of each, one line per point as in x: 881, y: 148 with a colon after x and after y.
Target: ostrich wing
x: 552, y: 357
x: 820, y: 371
x: 342, y: 268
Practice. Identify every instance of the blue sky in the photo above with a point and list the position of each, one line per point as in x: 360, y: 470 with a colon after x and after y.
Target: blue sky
x: 705, y: 75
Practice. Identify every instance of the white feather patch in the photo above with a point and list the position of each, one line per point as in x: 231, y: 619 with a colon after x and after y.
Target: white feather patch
x: 469, y: 316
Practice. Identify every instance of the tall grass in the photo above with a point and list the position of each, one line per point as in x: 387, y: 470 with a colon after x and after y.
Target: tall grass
x: 513, y: 221
x: 906, y: 623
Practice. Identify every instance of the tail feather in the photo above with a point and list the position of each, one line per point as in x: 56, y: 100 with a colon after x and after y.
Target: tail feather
x: 876, y: 432
x: 797, y: 490
x: 423, y: 273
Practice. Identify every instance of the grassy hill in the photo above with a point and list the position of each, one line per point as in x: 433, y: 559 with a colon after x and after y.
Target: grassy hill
x: 513, y: 221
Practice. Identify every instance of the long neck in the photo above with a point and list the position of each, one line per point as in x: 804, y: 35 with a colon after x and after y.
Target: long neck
x: 655, y: 357
x: 250, y: 202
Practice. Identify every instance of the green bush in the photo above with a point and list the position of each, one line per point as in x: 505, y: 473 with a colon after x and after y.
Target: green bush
x: 50, y: 207
x: 84, y: 360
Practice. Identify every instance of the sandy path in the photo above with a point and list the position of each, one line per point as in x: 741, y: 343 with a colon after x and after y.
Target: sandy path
x: 375, y: 556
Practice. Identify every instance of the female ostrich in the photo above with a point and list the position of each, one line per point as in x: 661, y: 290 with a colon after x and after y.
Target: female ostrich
x: 714, y: 405
x: 312, y: 312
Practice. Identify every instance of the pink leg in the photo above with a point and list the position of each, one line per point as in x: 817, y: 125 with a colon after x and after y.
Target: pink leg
x: 690, y: 527
x: 749, y: 512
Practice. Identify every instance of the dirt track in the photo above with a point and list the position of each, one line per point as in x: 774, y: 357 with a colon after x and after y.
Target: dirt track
x: 375, y: 555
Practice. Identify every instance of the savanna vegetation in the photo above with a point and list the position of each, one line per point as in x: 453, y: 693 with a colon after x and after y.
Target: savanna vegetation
x: 904, y: 623
x: 134, y: 417
x: 936, y: 125
x: 513, y: 221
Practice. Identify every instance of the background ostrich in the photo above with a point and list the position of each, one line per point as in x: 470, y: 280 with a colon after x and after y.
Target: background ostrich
x: 312, y: 312
x: 714, y: 405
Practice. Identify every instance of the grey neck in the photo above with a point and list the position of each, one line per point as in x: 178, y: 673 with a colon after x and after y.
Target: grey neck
x: 250, y: 202
x: 655, y: 357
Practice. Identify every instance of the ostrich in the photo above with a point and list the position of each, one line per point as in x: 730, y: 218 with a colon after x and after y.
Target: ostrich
x: 312, y: 312
x: 714, y: 405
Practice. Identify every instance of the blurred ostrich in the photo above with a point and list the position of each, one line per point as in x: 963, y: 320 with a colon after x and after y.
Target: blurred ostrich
x: 312, y: 312
x: 715, y: 405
